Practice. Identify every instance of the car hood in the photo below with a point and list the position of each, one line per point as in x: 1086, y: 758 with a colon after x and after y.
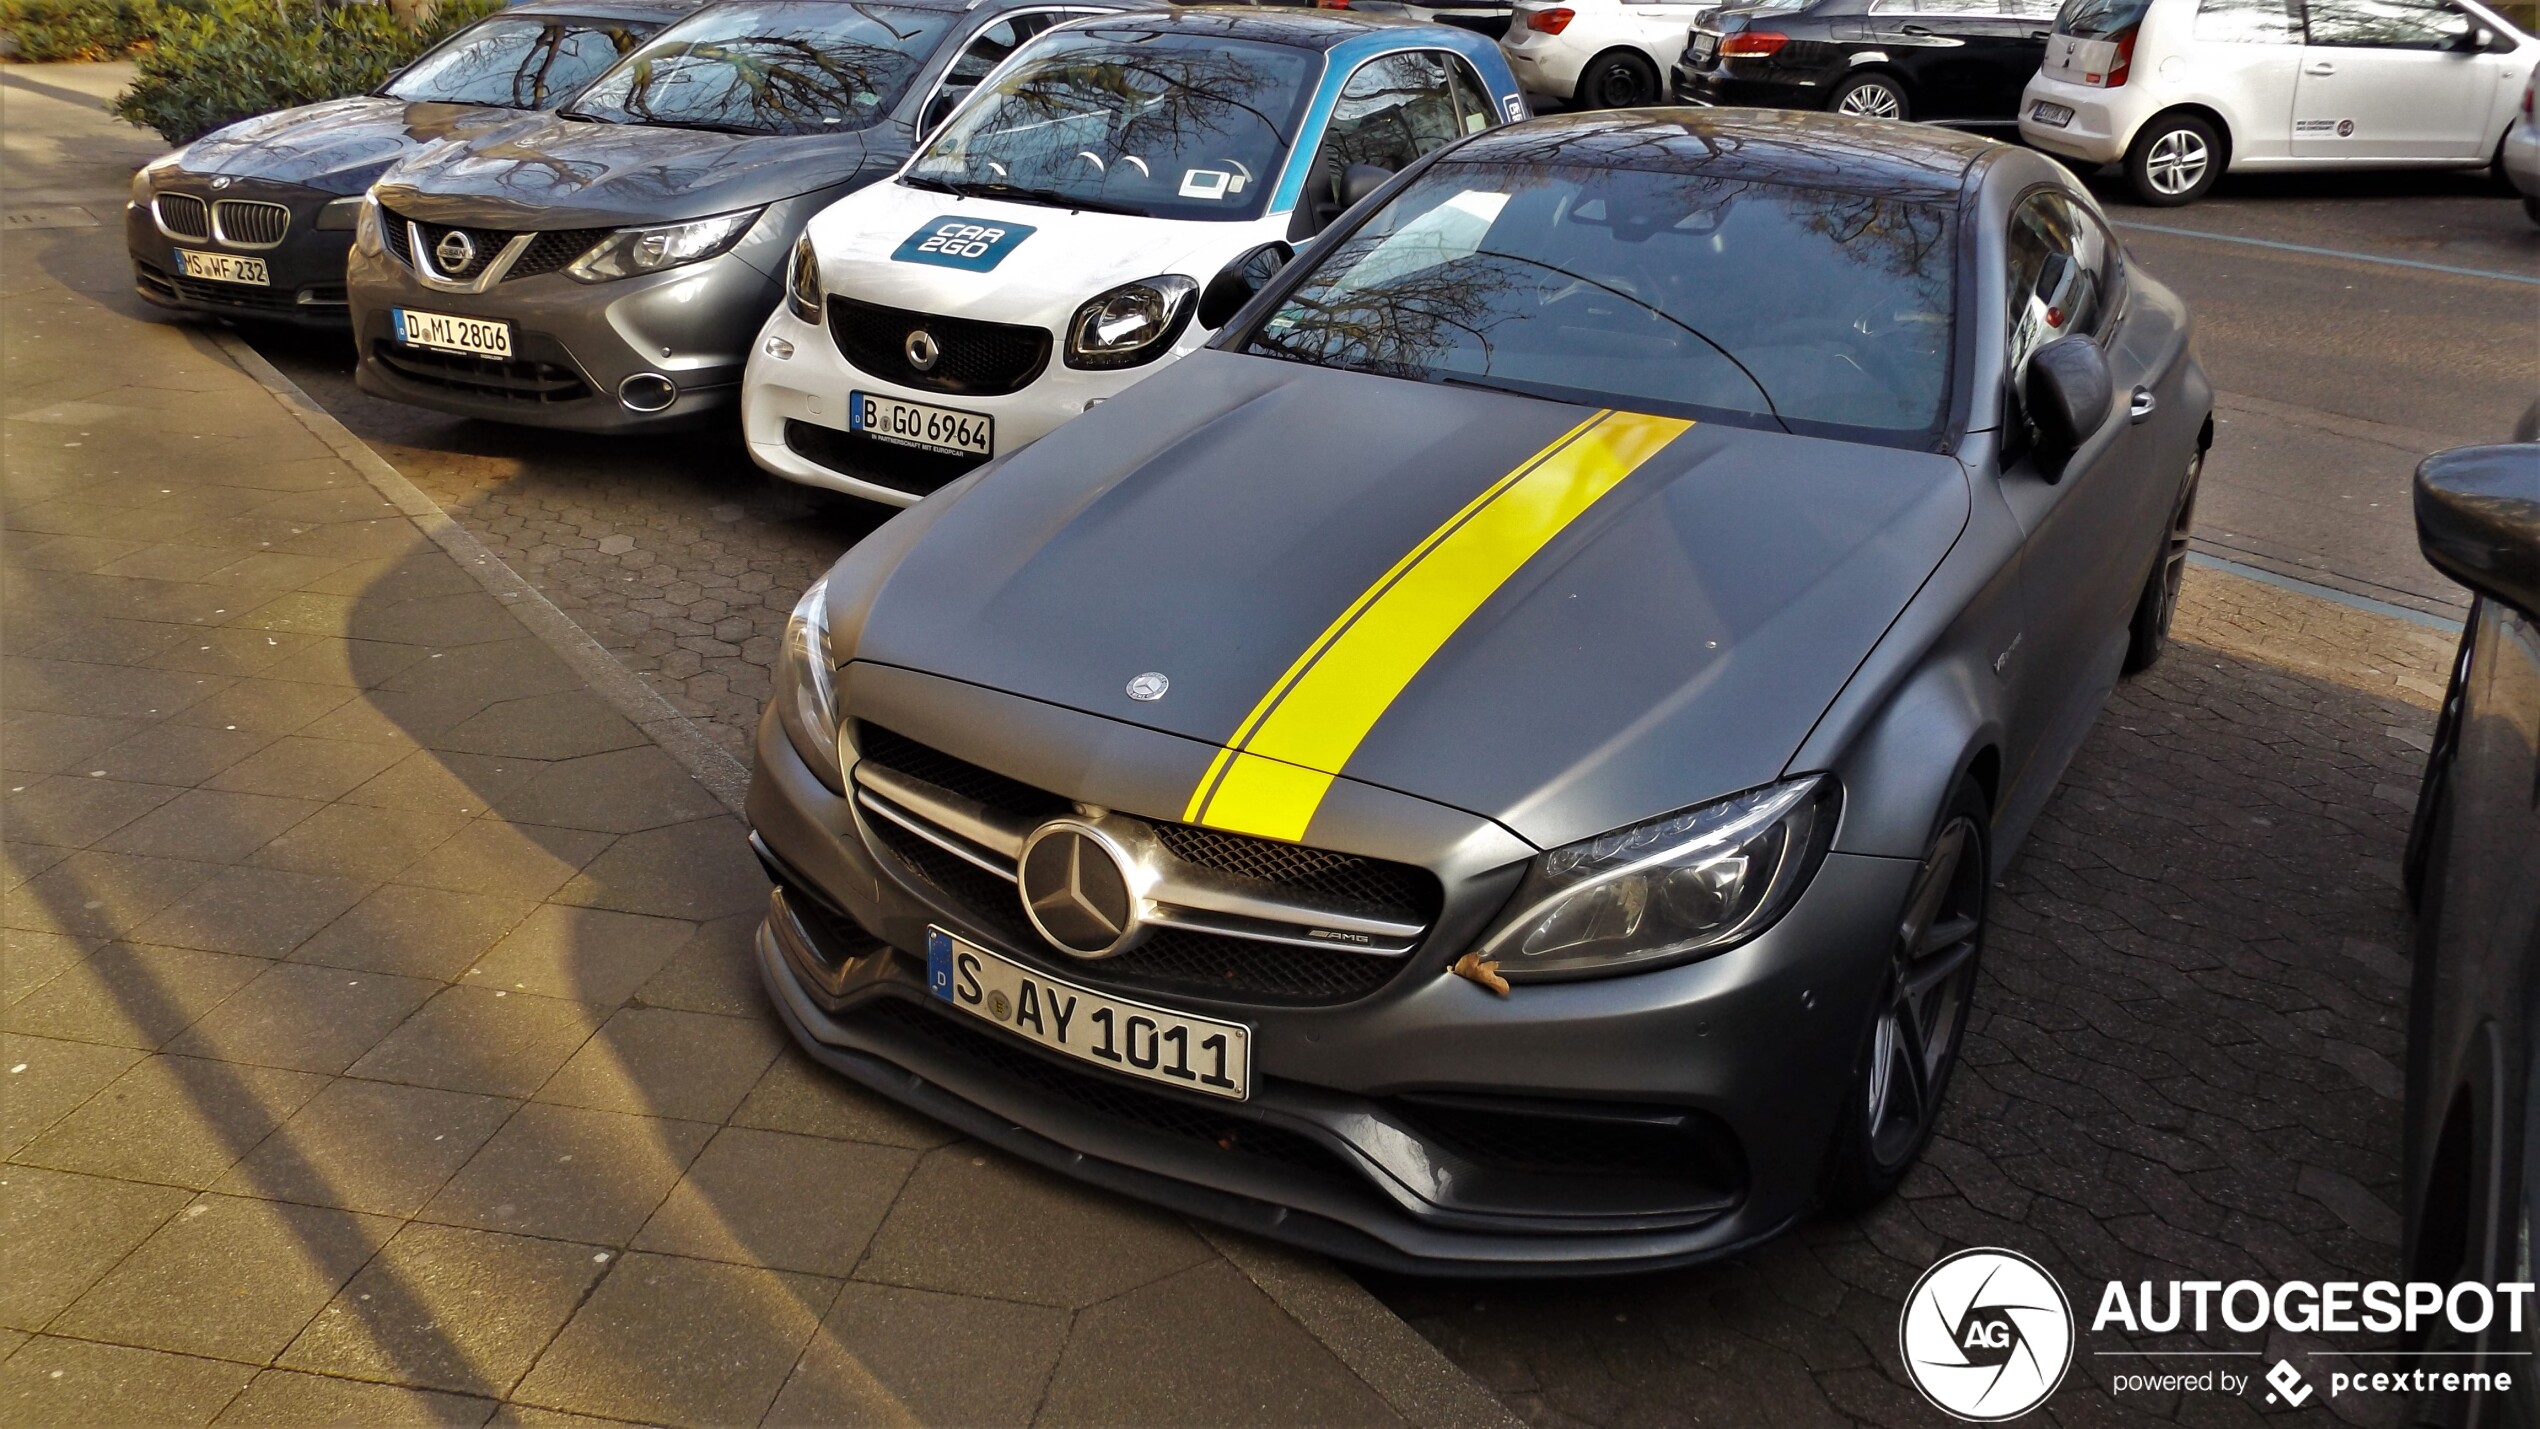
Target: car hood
x: 338, y: 146
x: 547, y: 171
x: 1064, y: 257
x: 1673, y: 642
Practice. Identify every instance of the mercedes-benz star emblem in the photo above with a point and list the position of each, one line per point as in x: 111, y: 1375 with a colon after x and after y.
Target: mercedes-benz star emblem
x: 1149, y: 686
x: 1076, y: 891
x: 455, y: 253
x: 921, y: 350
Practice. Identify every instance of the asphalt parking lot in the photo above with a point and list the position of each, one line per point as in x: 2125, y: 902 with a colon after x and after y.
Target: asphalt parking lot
x: 2186, y: 1049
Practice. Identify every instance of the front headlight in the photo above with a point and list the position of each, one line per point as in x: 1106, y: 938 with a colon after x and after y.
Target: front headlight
x: 341, y: 215
x: 1133, y: 323
x: 802, y: 282
x: 1691, y: 884
x: 807, y: 688
x: 630, y: 251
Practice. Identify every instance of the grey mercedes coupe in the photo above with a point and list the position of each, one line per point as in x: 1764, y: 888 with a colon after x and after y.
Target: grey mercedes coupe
x: 1499, y: 762
x: 604, y: 267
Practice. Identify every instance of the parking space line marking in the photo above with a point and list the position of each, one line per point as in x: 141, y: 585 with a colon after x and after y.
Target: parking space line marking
x: 2334, y: 253
x: 1272, y: 775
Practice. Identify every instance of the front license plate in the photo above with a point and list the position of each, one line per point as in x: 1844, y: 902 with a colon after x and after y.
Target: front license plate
x: 915, y: 424
x: 478, y: 337
x: 223, y: 268
x: 1200, y: 1054
x: 2054, y: 114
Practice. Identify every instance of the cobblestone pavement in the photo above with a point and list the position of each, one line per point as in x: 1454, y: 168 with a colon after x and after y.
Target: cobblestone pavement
x: 2184, y: 1060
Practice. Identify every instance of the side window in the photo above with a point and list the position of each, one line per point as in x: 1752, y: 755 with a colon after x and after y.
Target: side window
x: 1474, y: 109
x: 2249, y: 22
x: 979, y: 59
x: 1393, y: 110
x: 2387, y: 24
x: 2038, y: 10
x: 2061, y: 269
x: 1936, y: 7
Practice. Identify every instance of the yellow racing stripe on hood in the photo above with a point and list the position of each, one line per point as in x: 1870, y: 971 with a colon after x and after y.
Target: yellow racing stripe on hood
x: 1272, y: 775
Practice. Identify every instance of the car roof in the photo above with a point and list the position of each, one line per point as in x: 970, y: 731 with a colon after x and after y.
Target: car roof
x: 664, y: 11
x: 1868, y: 156
x: 1277, y: 25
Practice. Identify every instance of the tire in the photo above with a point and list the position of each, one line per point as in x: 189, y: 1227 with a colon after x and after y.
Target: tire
x: 1618, y: 79
x: 2174, y: 160
x: 1901, y: 1073
x: 1871, y: 96
x: 2149, y: 633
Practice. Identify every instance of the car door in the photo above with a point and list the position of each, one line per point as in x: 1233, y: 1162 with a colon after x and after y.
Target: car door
x: 1391, y: 110
x: 2249, y: 52
x: 2090, y: 526
x: 2386, y: 80
x: 1950, y: 53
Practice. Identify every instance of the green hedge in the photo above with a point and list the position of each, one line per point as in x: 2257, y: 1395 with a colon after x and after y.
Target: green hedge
x: 236, y: 58
x: 48, y: 30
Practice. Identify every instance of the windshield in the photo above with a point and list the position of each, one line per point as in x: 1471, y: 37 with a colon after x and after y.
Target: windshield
x: 1728, y: 299
x: 517, y: 61
x: 1169, y: 125
x: 777, y: 67
x: 2099, y: 19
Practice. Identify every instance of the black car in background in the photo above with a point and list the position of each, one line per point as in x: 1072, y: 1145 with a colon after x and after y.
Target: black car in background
x: 2473, y: 867
x: 254, y: 219
x: 1958, y: 62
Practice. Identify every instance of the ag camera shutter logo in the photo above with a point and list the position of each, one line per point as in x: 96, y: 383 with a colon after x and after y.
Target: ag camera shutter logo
x: 1986, y: 1335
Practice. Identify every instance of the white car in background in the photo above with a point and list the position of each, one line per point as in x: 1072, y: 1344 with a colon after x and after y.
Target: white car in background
x: 1599, y: 54
x: 2181, y: 90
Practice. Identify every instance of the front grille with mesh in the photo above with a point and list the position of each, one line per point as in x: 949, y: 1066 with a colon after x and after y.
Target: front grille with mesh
x: 400, y: 241
x: 1558, y: 1139
x: 1170, y: 960
x: 975, y: 359
x: 513, y: 379
x: 886, y: 464
x: 185, y: 216
x: 552, y: 250
x: 251, y: 223
x: 1171, y: 1116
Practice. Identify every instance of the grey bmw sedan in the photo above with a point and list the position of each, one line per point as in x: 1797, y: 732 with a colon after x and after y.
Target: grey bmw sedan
x: 1499, y: 762
x: 604, y: 267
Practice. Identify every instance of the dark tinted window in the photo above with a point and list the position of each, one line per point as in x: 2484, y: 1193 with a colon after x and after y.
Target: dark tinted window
x: 2387, y: 24
x: 772, y: 67
x: 1163, y: 124
x: 2099, y: 19
x: 2249, y: 22
x: 519, y: 62
x: 1737, y: 300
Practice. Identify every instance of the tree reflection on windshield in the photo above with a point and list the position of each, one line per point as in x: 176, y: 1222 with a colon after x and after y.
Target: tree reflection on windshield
x: 1156, y: 124
x: 781, y: 68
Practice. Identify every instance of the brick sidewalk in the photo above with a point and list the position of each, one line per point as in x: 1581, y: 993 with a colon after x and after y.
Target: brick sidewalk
x: 380, y: 1035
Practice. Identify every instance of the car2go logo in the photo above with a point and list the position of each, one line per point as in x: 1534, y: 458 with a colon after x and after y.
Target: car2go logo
x: 959, y: 243
x: 1986, y: 1335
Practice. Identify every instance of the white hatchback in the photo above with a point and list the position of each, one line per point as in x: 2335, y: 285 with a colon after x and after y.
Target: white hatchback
x: 1599, y: 54
x: 1104, y: 202
x: 2181, y: 90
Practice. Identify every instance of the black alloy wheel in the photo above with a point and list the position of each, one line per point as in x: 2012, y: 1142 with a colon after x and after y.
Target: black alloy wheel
x: 2149, y: 635
x: 1618, y: 80
x: 1921, y: 1016
x: 1872, y: 96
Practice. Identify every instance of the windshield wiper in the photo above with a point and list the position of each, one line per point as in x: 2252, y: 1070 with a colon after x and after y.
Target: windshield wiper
x: 703, y: 126
x: 1051, y: 198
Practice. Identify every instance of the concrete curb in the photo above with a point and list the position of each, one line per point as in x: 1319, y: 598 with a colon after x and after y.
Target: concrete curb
x: 1407, y: 1372
x: 696, y: 751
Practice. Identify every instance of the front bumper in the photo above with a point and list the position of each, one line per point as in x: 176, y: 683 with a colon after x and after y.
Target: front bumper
x: 1340, y: 1148
x: 306, y: 267
x: 1543, y: 64
x: 574, y: 343
x: 794, y: 414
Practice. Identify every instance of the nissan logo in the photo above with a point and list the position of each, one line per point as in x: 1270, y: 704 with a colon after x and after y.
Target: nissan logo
x: 1081, y: 889
x: 921, y: 350
x: 455, y: 253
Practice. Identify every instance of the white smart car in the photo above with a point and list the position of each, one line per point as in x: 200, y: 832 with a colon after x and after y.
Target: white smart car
x: 1104, y: 202
x: 2181, y: 90
x: 1599, y: 54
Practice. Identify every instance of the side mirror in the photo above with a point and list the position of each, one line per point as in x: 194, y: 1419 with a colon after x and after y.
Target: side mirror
x: 2478, y: 519
x: 1360, y: 180
x: 1235, y: 283
x: 2067, y: 392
